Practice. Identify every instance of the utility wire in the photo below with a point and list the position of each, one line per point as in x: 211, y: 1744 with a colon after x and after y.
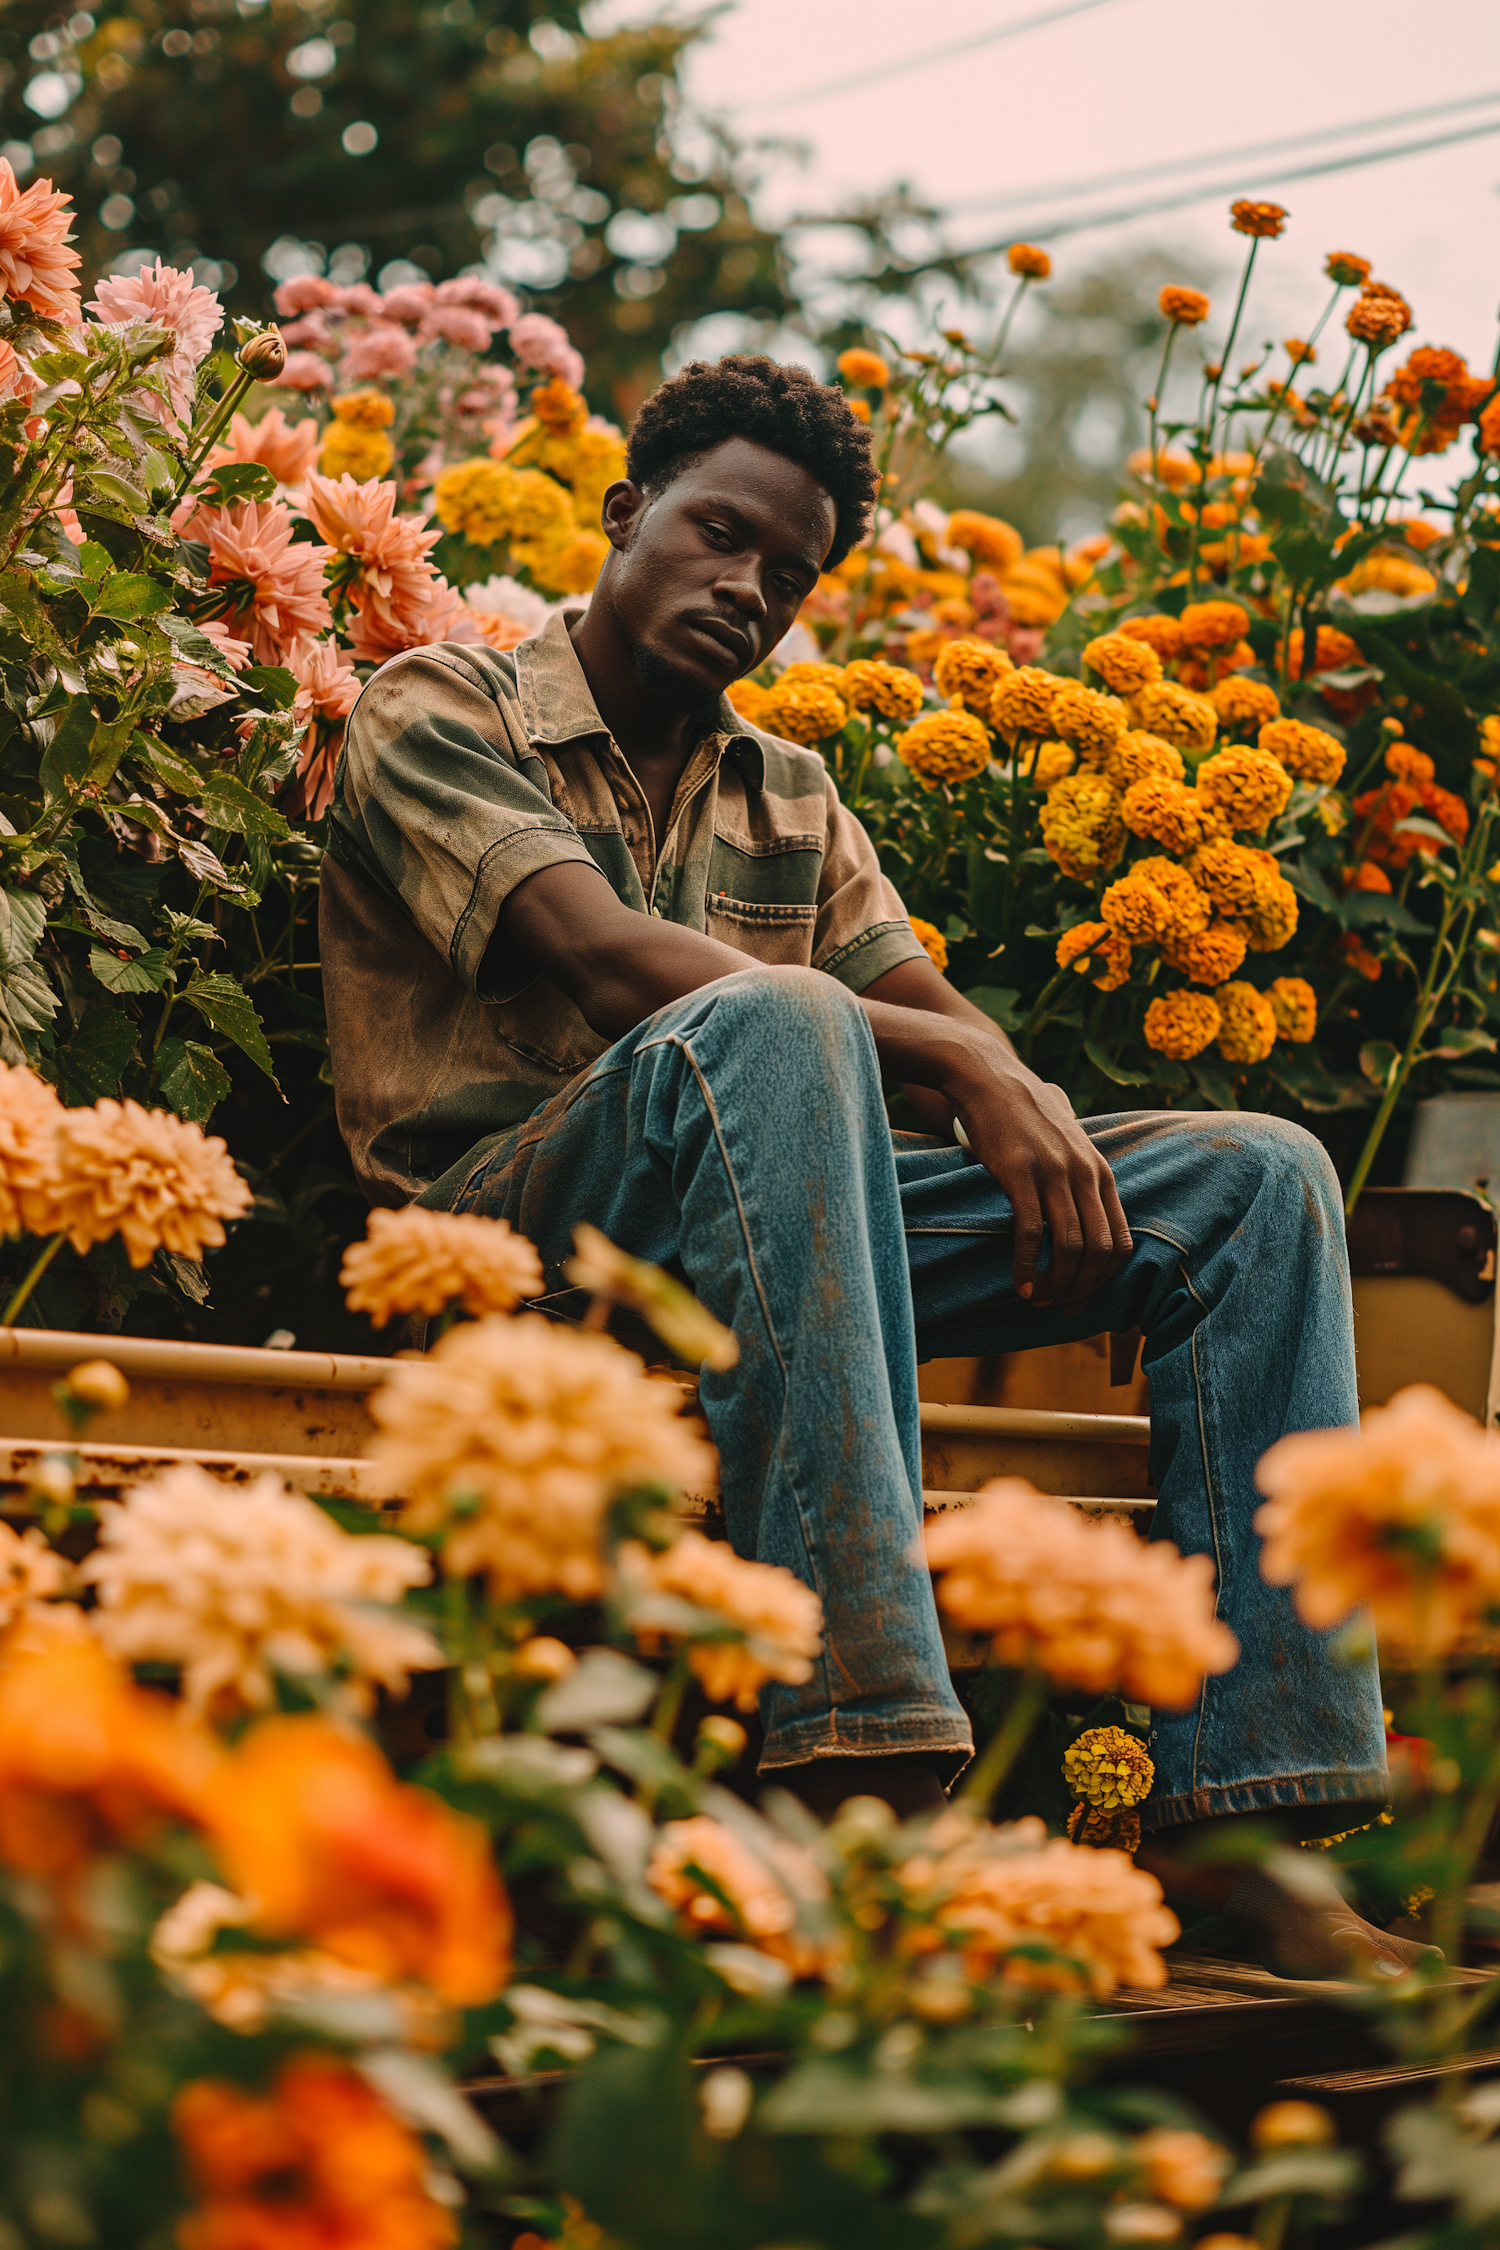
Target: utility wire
x: 1049, y: 230
x: 1008, y: 199
x: 924, y: 59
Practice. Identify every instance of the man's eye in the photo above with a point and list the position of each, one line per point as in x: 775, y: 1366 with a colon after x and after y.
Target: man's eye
x: 718, y: 534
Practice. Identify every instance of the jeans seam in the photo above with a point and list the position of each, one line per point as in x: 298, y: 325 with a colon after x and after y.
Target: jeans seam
x: 1213, y: 1518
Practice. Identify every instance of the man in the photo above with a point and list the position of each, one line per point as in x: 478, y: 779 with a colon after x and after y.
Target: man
x: 596, y: 949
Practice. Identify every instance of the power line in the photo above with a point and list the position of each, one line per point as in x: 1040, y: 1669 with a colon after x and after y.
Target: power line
x: 1051, y: 230
x: 926, y: 57
x: 1007, y: 199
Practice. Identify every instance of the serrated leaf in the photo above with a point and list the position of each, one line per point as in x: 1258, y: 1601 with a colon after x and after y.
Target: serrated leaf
x: 148, y: 973
x: 1113, y: 1069
x: 272, y: 683
x: 132, y: 594
x: 65, y: 761
x: 226, y: 1007
x: 227, y: 803
x: 166, y: 766
x: 91, y: 1065
x: 240, y: 480
x: 191, y: 1078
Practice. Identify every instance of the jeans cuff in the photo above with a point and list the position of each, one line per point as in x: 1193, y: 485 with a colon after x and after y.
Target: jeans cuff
x: 842, y: 1734
x: 1363, y: 1795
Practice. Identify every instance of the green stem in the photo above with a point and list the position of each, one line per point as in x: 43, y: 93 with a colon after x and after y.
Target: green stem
x: 215, y: 423
x: 992, y: 1768
x: 8, y: 1317
x: 669, y: 1702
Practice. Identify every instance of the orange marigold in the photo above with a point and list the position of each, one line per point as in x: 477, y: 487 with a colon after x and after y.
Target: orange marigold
x: 1094, y: 945
x: 804, y: 711
x: 1261, y: 219
x: 752, y: 701
x: 970, y: 671
x: 1295, y: 1006
x: 1244, y: 705
x: 1161, y: 633
x: 1022, y: 702
x: 1182, y: 1024
x: 889, y: 690
x: 1346, y: 269
x: 1272, y: 921
x: 866, y: 370
x: 993, y: 543
x: 1081, y: 825
x: 1308, y: 753
x: 1332, y: 651
x: 1208, y: 956
x: 931, y: 940
x: 1046, y: 763
x: 1377, y: 321
x: 1177, y: 715
x: 951, y: 746
x: 1248, y: 1031
x: 1025, y: 259
x: 1142, y: 754
x: 1187, y: 307
x: 1175, y: 817
x: 1124, y: 662
x: 1249, y: 787
x: 760, y: 1899
x: 1092, y: 722
x: 1212, y: 625
x: 1408, y: 763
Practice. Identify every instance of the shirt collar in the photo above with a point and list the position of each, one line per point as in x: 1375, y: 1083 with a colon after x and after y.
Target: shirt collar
x: 557, y: 708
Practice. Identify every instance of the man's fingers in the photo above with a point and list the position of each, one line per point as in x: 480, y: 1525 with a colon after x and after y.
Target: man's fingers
x: 1028, y: 1236
x: 1099, y: 1258
x: 1065, y: 1225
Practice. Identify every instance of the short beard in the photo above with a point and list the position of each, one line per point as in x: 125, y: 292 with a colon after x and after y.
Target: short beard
x: 674, y: 690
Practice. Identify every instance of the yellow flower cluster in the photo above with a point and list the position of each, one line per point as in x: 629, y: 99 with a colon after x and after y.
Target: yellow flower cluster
x: 1141, y: 754
x: 969, y: 672
x: 764, y: 1624
x: 1090, y: 945
x: 941, y: 746
x: 1022, y: 703
x: 1208, y: 956
x: 889, y: 690
x: 1175, y: 713
x: 1308, y: 753
x: 1182, y: 1024
x: 1124, y: 663
x: 1109, y: 1768
x: 355, y: 443
x: 805, y: 711
x: 1091, y: 722
x: 1081, y: 824
x: 1247, y: 1032
x: 1158, y: 899
x: 490, y: 501
x: 1249, y: 787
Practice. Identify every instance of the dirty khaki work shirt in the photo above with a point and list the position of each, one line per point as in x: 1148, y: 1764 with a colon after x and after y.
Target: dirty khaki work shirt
x: 464, y: 772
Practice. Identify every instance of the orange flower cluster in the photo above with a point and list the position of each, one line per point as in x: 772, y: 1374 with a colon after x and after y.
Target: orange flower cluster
x: 1263, y: 219
x: 1380, y: 812
x: 1427, y: 427
x: 763, y: 1894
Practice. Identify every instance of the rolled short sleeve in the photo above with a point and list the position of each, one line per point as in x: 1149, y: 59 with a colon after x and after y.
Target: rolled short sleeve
x: 862, y: 929
x: 444, y: 806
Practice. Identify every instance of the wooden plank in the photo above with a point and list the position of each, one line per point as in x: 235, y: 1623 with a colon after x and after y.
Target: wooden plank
x: 101, y: 1472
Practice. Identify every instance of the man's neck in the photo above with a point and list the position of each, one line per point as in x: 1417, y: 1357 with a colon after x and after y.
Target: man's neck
x: 650, y: 731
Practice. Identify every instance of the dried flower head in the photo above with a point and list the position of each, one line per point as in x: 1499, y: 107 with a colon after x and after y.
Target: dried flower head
x: 1185, y: 307
x: 763, y: 1623
x: 1089, y: 1603
x: 417, y: 1261
x: 761, y: 1896
x: 155, y: 1180
x: 1030, y: 263
x: 513, y: 1436
x: 661, y: 1300
x: 235, y: 1584
x: 1260, y: 219
x: 945, y: 746
x: 1181, y: 1024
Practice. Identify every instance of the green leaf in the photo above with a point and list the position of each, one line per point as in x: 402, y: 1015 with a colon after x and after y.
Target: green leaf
x: 132, y: 594
x: 999, y: 1003
x: 1365, y: 910
x: 91, y: 1065
x: 166, y: 766
x: 66, y: 759
x: 124, y: 495
x: 148, y: 974
x: 1455, y: 1043
x: 272, y: 683
x: 1379, y: 1061
x: 191, y: 1078
x: 27, y: 1000
x: 1113, y: 1069
x: 227, y: 1008
x: 240, y: 480
x: 227, y: 803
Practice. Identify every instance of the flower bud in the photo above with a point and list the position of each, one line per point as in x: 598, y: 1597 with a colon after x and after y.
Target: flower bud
x: 725, y: 1735
x: 98, y: 1383
x: 51, y: 1480
x: 264, y: 356
x: 1292, y: 2125
x: 541, y: 1658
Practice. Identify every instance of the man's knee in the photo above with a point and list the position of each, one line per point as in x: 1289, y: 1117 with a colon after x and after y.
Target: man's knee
x: 1288, y: 1166
x: 792, y: 1002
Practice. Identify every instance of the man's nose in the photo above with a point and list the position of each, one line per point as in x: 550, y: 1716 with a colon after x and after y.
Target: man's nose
x: 740, y: 584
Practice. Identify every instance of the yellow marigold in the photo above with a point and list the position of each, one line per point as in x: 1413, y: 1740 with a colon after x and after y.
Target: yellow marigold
x: 1272, y: 920
x: 1141, y: 754
x: 1025, y: 259
x: 365, y: 410
x: 29, y: 1111
x: 931, y: 940
x: 1244, y: 705
x: 1386, y: 572
x: 1171, y: 815
x: 417, y: 1261
x: 1208, y: 956
x: 1047, y: 763
x: 945, y: 746
x: 887, y: 689
x: 756, y: 1898
x: 750, y: 700
x: 1248, y: 1031
x: 1022, y: 702
x: 1249, y: 787
x: 354, y: 452
x: 1210, y: 625
x: 1176, y: 714
x: 1089, y: 1603
x: 993, y: 543
x: 1094, y: 945
x: 1187, y: 307
x: 1137, y: 909
x: 804, y: 711
x: 1109, y: 1768
x: 1081, y: 825
x: 1308, y: 753
x: 866, y: 370
x: 513, y: 1436
x: 971, y: 671
x: 1124, y: 662
x: 1092, y: 722
x: 559, y: 408
x: 567, y: 565
x: 1295, y: 1006
x: 1188, y: 908
x: 1267, y: 219
x: 149, y: 1177
x: 487, y: 501
x: 1234, y: 877
x: 1401, y: 1516
x: 1060, y: 1917
x: 1408, y: 763
x: 1164, y: 634
x: 859, y: 408
x: 590, y: 462
x: 812, y: 673
x: 763, y: 1623
x: 1182, y: 1024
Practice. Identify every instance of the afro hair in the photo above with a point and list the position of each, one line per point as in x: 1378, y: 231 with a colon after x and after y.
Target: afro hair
x: 784, y: 409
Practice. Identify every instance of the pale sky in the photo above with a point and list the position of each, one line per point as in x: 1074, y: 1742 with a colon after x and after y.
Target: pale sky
x: 1128, y: 83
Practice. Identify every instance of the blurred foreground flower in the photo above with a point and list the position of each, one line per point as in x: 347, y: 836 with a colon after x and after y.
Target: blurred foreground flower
x: 237, y: 1583
x: 417, y: 1261
x: 1401, y: 1516
x: 157, y: 1181
x: 661, y: 1300
x: 309, y: 1821
x: 241, y: 1987
x: 773, y: 1624
x: 320, y: 2160
x: 1089, y: 1604
x: 30, y: 1572
x: 513, y: 1436
x: 760, y: 1896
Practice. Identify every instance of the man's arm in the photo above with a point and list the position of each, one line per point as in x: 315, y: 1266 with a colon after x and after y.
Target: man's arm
x: 618, y: 967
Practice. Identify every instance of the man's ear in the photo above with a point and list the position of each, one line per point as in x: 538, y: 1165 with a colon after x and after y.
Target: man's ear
x: 624, y: 504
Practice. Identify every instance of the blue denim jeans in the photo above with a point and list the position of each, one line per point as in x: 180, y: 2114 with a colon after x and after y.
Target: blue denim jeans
x: 740, y: 1135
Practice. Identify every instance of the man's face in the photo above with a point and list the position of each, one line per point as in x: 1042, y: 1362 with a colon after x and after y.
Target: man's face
x: 707, y: 576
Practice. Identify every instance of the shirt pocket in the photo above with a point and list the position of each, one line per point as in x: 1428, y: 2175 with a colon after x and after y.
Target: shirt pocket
x: 780, y: 935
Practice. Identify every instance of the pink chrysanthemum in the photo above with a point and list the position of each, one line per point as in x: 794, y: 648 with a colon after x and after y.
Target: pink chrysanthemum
x: 170, y: 299
x: 287, y: 449
x: 35, y: 262
x: 408, y: 302
x: 303, y: 292
x: 384, y: 350
x: 357, y: 297
x: 250, y: 547
x: 542, y: 343
x: 235, y: 652
x: 497, y: 305
x: 311, y: 333
x: 456, y: 324
x: 400, y: 599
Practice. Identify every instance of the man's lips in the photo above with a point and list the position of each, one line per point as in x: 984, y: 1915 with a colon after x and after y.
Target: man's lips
x: 731, y: 638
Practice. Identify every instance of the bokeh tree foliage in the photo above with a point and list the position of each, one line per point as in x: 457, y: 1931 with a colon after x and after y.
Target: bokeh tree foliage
x: 375, y: 131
